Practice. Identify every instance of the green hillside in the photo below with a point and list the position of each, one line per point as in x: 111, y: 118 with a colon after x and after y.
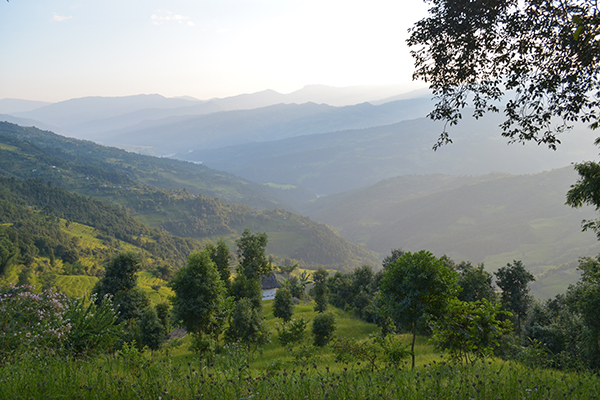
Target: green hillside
x: 494, y: 219
x: 110, y: 165
x: 177, y: 211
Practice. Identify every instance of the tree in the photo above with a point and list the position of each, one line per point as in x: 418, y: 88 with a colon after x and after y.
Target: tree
x: 152, y: 331
x: 320, y: 290
x: 396, y: 253
x: 542, y: 53
x: 221, y: 256
x: 247, y: 325
x: 587, y: 191
x: 120, y: 281
x: 469, y: 330
x: 9, y: 252
x: 323, y: 328
x: 198, y: 292
x: 475, y: 282
x: 416, y: 285
x: 585, y: 296
x: 253, y: 262
x: 283, y: 305
x: 514, y: 281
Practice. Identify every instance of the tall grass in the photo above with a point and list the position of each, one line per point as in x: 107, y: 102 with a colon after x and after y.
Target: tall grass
x: 161, y: 378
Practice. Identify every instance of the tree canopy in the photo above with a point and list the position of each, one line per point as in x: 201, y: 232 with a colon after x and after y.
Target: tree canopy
x: 415, y: 285
x: 198, y: 292
x: 542, y: 54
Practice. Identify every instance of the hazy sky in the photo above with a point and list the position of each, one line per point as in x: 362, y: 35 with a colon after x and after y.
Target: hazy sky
x: 54, y: 50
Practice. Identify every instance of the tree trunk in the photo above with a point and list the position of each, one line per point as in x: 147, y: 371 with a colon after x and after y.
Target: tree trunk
x: 412, y: 347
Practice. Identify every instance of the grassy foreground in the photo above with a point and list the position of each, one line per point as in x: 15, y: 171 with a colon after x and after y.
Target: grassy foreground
x: 122, y: 378
x: 275, y: 374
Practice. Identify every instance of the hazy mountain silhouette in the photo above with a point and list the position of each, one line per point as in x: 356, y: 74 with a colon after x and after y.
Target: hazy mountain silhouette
x: 338, y: 161
x: 182, y: 134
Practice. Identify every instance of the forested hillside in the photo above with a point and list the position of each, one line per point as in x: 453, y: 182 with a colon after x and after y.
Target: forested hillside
x: 493, y: 218
x: 117, y: 177
x: 31, y: 216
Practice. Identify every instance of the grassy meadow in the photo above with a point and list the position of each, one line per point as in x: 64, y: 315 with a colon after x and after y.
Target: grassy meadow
x: 274, y: 373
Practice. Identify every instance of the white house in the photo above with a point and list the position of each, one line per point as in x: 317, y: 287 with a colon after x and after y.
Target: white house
x: 269, y: 287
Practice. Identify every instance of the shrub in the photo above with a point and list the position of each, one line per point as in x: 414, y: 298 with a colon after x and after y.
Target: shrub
x: 31, y: 320
x: 323, y: 328
x: 93, y: 326
x: 291, y: 332
x: 283, y: 306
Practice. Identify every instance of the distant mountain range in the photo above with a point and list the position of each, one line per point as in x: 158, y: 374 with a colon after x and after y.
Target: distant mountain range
x: 365, y: 168
x: 334, y: 162
x: 88, y: 116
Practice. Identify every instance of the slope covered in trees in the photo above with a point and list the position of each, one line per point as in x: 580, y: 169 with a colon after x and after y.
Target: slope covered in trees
x: 118, y: 177
x: 491, y: 218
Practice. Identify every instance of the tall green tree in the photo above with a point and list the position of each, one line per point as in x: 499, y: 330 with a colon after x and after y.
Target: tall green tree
x: 283, y: 305
x: 198, y: 293
x: 320, y: 291
x: 152, y: 331
x: 247, y: 325
x: 221, y: 256
x: 414, y: 286
x: 251, y: 252
x: 585, y: 297
x: 120, y: 281
x: 476, y: 283
x: 514, y: 281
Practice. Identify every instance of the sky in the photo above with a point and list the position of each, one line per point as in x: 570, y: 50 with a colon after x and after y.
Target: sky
x: 53, y: 50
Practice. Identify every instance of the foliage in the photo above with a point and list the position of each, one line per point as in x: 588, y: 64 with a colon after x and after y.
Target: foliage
x: 469, y: 331
x: 320, y: 290
x: 31, y: 320
x: 514, y: 279
x: 587, y: 191
x: 323, y: 328
x: 414, y: 286
x: 356, y: 291
x: 120, y: 281
x: 283, y: 305
x: 391, y: 259
x: 253, y: 262
x: 291, y: 332
x: 204, y: 345
x: 244, y: 288
x: 152, y: 332
x: 247, y: 325
x: 544, y: 54
x: 93, y: 325
x: 198, y: 292
x: 8, y: 250
x: 585, y: 298
x: 221, y: 256
x: 475, y: 283
x: 394, y: 351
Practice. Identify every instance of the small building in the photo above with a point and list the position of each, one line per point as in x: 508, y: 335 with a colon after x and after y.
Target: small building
x: 269, y: 287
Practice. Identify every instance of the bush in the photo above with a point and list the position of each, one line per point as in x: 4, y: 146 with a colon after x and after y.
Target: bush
x: 93, y: 326
x: 323, y: 328
x: 283, y: 305
x: 291, y: 332
x: 32, y: 320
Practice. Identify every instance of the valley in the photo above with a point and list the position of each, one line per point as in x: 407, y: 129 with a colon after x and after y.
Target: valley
x: 337, y: 185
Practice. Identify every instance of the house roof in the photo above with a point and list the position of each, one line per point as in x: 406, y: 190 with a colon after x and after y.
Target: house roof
x: 270, y: 282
